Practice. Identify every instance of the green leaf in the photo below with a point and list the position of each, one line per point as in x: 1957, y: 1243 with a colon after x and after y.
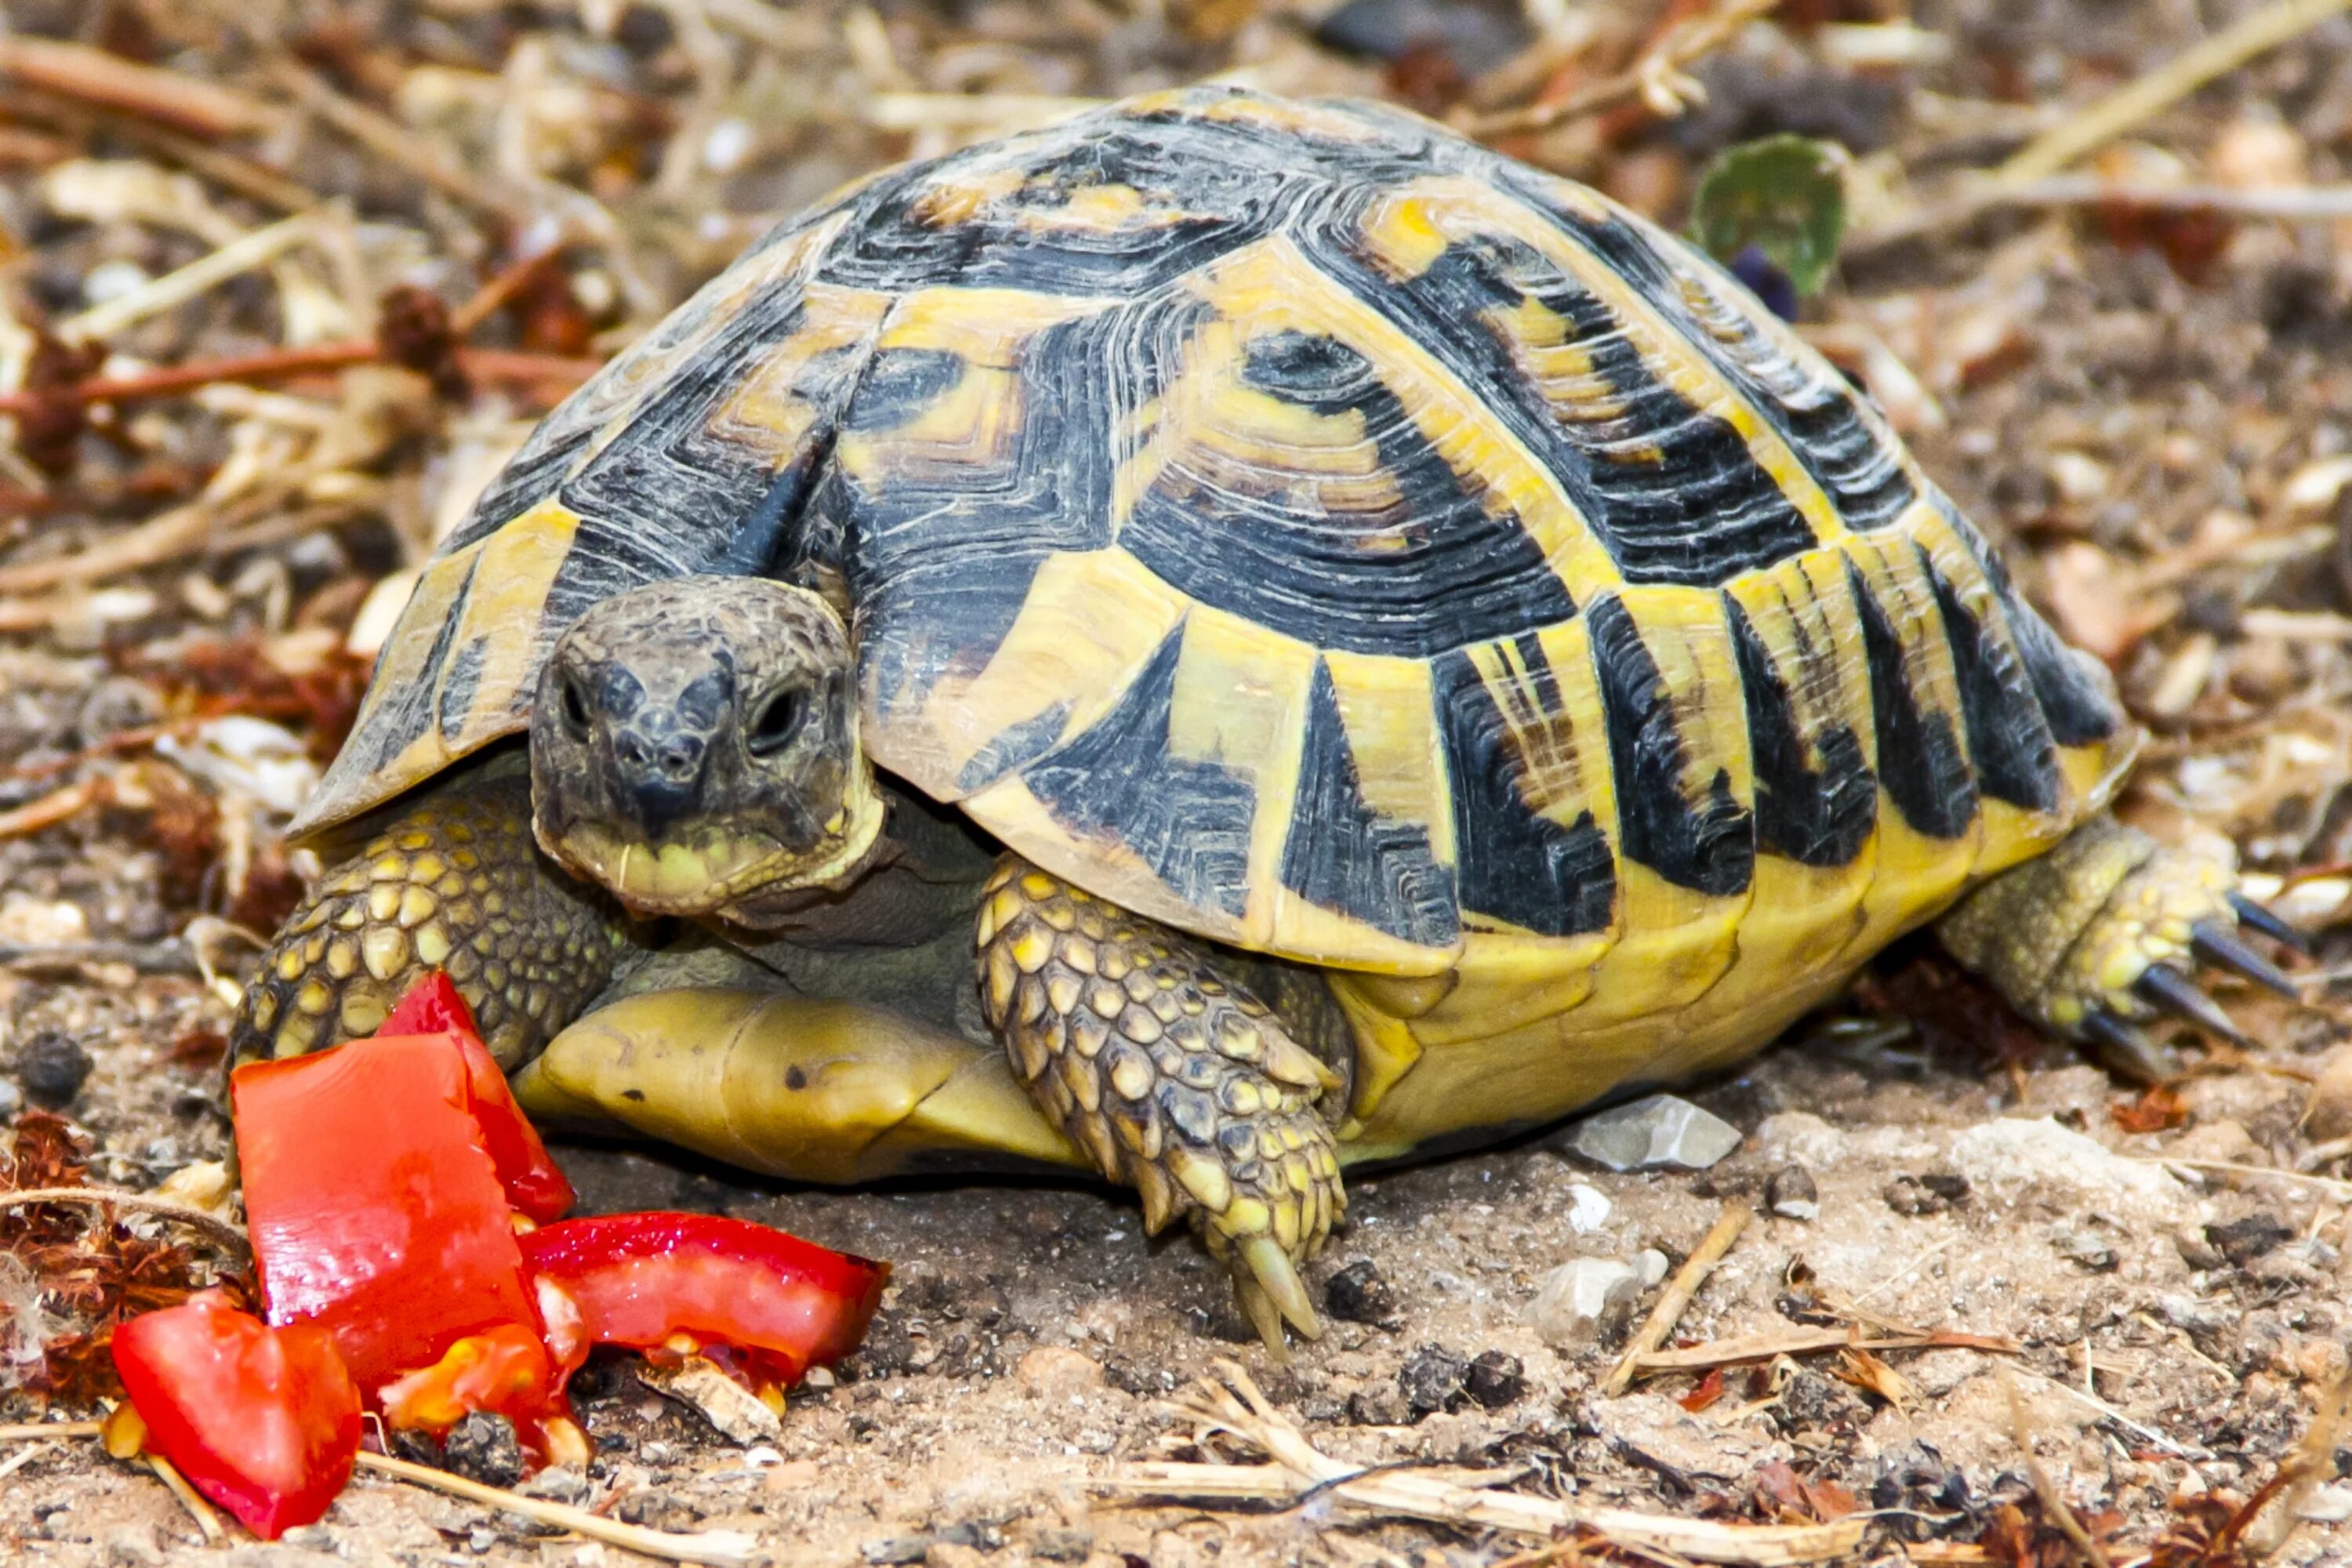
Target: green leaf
x: 1785, y: 195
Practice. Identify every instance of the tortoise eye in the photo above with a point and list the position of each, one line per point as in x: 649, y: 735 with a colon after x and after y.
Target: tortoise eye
x: 778, y: 720
x: 573, y: 707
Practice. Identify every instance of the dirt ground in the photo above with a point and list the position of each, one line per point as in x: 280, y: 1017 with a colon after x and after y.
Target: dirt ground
x: 2151, y: 406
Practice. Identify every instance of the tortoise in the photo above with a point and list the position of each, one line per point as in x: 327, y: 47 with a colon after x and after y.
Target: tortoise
x: 1219, y: 640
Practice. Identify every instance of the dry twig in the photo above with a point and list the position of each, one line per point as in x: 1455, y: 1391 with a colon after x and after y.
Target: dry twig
x: 109, y: 81
x: 724, y: 1547
x: 1748, y: 1348
x: 1229, y: 1402
x: 1679, y: 1291
x: 1656, y: 78
x: 198, y: 1509
x: 226, y: 1233
x: 2150, y: 95
x: 2054, y: 1502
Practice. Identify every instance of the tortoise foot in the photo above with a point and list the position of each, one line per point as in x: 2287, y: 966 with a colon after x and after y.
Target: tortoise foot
x: 455, y: 883
x: 1170, y: 1077
x: 2106, y: 933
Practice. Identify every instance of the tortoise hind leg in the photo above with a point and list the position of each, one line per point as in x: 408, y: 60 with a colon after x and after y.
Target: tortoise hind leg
x: 2103, y: 934
x: 455, y: 882
x: 1172, y: 1078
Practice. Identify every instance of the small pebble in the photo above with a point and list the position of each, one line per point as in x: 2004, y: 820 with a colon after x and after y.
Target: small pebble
x: 1433, y: 1378
x: 1651, y: 1265
x: 1791, y: 1193
x: 1380, y: 1404
x: 52, y: 1068
x: 1357, y: 1294
x: 895, y: 1551
x: 1063, y: 1545
x: 1495, y: 1379
x: 1584, y: 1299
x: 557, y: 1483
x: 1661, y: 1133
x: 2243, y: 1241
x: 2085, y: 1249
x: 1937, y: 1192
x: 483, y: 1448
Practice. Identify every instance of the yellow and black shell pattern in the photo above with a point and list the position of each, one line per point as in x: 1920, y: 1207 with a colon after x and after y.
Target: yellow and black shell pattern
x: 1298, y: 525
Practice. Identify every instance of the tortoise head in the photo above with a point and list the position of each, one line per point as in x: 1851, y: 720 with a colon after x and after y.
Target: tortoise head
x: 694, y: 749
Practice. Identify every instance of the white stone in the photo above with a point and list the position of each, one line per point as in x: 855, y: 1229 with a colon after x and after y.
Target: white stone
x: 1660, y: 1133
x: 1588, y: 1208
x: 1651, y: 1265
x: 1582, y: 1298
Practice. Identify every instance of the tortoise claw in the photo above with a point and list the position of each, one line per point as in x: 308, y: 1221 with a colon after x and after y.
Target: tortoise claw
x: 1274, y: 1279
x: 2222, y: 949
x: 2163, y: 986
x: 2124, y: 1050
x: 2280, y: 930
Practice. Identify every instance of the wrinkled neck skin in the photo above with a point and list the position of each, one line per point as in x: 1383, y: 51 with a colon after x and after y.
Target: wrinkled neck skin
x: 921, y: 876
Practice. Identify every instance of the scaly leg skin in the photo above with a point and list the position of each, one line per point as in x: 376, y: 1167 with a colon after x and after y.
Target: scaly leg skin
x: 1170, y: 1078
x: 455, y: 883
x: 2103, y: 933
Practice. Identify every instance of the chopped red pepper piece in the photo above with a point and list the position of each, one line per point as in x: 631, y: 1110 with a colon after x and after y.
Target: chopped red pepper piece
x: 640, y: 1278
x: 534, y: 1184
x: 374, y: 1208
x: 265, y: 1421
x: 432, y: 1007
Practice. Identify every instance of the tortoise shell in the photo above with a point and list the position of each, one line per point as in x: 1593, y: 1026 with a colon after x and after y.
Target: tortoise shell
x: 1298, y: 525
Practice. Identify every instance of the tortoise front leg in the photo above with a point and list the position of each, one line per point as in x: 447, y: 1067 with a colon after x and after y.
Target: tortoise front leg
x: 1169, y: 1077
x: 456, y: 882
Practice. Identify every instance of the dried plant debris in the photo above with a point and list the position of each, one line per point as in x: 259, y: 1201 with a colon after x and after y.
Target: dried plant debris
x: 71, y: 1270
x: 282, y: 285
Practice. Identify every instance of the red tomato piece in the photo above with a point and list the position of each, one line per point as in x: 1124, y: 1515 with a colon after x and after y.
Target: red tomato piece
x: 505, y: 1370
x: 373, y: 1205
x: 265, y: 1421
x: 639, y: 1278
x: 534, y: 1184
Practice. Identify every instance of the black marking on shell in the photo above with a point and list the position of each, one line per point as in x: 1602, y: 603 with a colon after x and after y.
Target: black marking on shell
x: 899, y: 385
x: 1919, y: 757
x: 1672, y: 492
x: 1332, y: 580
x: 1342, y: 855
x: 2079, y: 710
x: 938, y: 557
x: 458, y: 686
x: 409, y: 709
x: 1707, y: 842
x: 1512, y: 863
x: 1816, y: 414
x: 1013, y: 747
x: 554, y: 448
x: 1814, y: 816
x: 1203, y: 195
x: 1115, y: 782
x: 2009, y: 741
x: 678, y: 477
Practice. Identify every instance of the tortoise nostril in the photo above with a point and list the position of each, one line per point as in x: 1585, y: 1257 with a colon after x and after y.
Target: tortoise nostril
x: 681, y: 758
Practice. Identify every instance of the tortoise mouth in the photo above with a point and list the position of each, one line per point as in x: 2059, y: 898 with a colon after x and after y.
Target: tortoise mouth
x: 709, y: 870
